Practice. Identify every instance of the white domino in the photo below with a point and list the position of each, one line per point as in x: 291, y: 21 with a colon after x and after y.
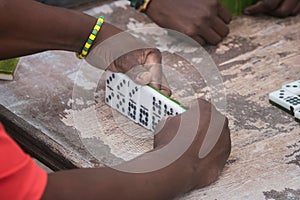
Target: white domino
x: 297, y: 115
x: 115, y: 94
x: 286, y: 100
x: 142, y: 104
x: 293, y: 87
x: 160, y: 106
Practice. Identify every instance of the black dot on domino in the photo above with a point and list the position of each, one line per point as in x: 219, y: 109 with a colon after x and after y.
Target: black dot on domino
x: 107, y: 81
x: 123, y: 110
x: 110, y: 78
x: 113, y: 75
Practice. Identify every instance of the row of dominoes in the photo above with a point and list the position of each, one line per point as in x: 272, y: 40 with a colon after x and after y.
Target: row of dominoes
x: 288, y: 99
x: 142, y: 104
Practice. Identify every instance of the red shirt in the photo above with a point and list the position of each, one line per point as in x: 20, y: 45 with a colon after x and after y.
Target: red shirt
x: 20, y: 176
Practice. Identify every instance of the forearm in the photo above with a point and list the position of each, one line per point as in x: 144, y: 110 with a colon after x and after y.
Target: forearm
x: 28, y: 27
x: 106, y: 183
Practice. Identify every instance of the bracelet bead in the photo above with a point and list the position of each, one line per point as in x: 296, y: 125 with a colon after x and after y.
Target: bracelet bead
x: 85, y: 50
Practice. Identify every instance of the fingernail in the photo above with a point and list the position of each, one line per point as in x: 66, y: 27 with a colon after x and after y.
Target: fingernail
x: 145, y: 77
x: 246, y: 11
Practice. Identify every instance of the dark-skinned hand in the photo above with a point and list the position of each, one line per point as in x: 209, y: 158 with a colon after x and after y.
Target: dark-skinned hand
x: 203, y: 170
x: 205, y: 21
x: 277, y: 8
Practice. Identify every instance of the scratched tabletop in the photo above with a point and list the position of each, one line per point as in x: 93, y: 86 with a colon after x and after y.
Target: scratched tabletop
x: 55, y: 106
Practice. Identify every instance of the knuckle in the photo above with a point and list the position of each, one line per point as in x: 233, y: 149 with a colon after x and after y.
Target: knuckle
x: 216, y: 40
x: 206, y: 16
x: 214, y: 4
x: 284, y: 12
x: 190, y: 31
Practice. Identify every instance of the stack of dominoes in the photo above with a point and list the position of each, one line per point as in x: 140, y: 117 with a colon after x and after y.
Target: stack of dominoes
x: 142, y: 104
x: 8, y: 68
x: 288, y: 99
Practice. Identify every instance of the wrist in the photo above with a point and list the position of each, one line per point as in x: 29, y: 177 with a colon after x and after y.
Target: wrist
x: 106, y: 32
x: 166, y: 183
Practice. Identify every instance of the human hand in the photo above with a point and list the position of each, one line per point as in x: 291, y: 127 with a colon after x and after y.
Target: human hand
x: 204, y: 21
x: 119, y: 51
x: 144, y: 67
x: 148, y: 173
x: 278, y: 8
x: 200, y: 171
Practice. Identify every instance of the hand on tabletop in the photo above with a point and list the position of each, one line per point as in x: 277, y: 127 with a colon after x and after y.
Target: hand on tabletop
x: 204, y: 21
x: 119, y: 51
x: 278, y: 8
x: 203, y: 170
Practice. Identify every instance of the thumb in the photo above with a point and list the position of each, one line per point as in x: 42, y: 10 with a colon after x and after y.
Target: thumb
x: 257, y: 8
x: 140, y: 75
x: 263, y: 6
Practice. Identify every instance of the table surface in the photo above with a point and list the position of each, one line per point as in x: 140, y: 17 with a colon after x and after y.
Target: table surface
x: 54, y: 124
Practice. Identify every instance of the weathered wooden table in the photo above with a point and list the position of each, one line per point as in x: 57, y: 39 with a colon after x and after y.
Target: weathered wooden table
x: 258, y: 56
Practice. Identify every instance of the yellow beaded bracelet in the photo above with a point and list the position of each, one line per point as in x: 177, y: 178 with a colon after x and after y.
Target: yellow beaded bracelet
x: 144, y: 7
x: 91, y: 39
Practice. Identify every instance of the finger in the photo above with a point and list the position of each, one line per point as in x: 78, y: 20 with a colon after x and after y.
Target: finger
x: 255, y: 9
x: 285, y: 9
x: 210, y: 35
x: 162, y: 138
x: 164, y: 87
x: 263, y: 6
x: 156, y: 72
x: 199, y: 39
x: 112, y: 67
x: 224, y: 14
x: 153, y: 65
x: 140, y: 75
x: 220, y: 27
x: 296, y: 10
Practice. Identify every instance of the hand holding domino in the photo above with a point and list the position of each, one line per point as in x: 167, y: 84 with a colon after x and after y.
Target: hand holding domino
x: 144, y: 105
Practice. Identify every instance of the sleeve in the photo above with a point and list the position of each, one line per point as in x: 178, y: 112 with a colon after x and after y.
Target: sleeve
x: 20, y: 176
